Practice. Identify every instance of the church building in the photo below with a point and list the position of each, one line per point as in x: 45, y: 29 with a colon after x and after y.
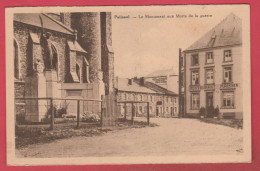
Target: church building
x: 61, y: 55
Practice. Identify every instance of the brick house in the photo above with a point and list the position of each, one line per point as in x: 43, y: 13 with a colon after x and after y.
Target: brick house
x: 61, y: 55
x: 210, y: 71
x: 162, y: 102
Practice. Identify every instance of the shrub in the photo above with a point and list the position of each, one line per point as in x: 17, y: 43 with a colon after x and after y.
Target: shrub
x: 216, y: 112
x: 60, y: 112
x: 202, y: 111
x: 50, y: 110
x: 90, y: 117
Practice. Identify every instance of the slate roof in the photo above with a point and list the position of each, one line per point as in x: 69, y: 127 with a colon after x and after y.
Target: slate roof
x: 227, y: 32
x: 135, y: 87
x: 160, y: 73
x: 148, y: 87
x: 42, y: 20
x: 74, y: 46
x: 158, y: 88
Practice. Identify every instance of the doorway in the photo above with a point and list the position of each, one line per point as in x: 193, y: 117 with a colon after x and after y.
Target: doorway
x: 209, y: 103
x: 157, y: 111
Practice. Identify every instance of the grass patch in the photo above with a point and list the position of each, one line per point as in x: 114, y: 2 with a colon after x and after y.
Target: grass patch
x: 33, y: 134
x: 234, y: 123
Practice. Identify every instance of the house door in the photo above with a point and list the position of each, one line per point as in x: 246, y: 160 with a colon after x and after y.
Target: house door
x: 209, y: 103
x: 157, y: 111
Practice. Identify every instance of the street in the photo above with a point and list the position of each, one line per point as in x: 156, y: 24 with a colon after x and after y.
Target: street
x: 173, y: 136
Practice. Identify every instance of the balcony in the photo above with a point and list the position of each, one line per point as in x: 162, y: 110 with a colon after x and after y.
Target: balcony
x: 229, y: 85
x: 209, y: 87
x: 194, y: 87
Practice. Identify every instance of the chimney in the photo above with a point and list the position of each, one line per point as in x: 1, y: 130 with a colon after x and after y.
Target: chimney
x: 130, y: 81
x: 142, y: 81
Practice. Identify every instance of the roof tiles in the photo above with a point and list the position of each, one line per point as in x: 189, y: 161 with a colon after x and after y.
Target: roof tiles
x: 227, y: 32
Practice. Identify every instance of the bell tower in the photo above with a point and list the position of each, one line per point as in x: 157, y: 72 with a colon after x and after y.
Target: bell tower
x: 94, y: 35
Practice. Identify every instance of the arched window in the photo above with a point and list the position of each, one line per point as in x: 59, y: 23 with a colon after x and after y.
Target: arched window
x: 78, y: 71
x: 55, y: 58
x: 16, y: 61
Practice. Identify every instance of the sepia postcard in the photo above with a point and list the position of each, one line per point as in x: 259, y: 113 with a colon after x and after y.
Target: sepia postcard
x: 128, y: 85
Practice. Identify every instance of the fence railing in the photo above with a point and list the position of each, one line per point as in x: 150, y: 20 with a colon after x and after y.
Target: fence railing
x: 131, y: 108
x: 77, y: 112
x: 58, y: 111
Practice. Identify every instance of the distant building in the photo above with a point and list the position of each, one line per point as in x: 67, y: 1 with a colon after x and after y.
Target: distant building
x: 162, y: 102
x: 211, y: 71
x: 166, y: 78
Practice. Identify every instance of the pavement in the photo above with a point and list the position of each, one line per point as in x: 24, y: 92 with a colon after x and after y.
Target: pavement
x: 173, y: 136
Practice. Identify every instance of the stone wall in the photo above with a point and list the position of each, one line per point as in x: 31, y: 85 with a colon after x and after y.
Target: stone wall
x: 59, y: 40
x: 19, y: 93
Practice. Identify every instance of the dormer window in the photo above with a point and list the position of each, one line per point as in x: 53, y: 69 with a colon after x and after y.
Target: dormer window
x: 212, y: 41
x: 227, y: 56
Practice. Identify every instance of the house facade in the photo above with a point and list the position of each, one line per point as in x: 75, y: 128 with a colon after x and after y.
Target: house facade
x: 161, y: 103
x: 211, y: 71
x: 61, y: 55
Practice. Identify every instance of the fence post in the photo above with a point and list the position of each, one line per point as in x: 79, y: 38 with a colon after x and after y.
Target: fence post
x: 52, y: 115
x: 148, y: 114
x: 133, y: 114
x: 78, y: 112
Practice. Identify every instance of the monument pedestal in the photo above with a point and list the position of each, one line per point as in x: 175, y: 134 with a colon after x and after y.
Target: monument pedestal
x: 41, y: 85
x: 35, y: 88
x: 53, y: 88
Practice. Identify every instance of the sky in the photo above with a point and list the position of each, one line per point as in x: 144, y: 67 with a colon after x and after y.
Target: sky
x: 144, y: 45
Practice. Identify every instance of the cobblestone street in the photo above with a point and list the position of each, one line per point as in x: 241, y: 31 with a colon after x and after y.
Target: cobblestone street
x: 173, y: 136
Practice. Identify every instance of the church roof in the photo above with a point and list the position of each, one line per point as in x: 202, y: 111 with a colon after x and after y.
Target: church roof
x: 42, y: 20
x: 227, y: 32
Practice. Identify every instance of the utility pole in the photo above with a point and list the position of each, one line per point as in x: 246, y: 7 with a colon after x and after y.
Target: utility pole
x: 180, y: 84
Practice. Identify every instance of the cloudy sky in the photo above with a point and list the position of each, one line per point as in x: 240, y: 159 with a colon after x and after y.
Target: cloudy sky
x: 142, y: 46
